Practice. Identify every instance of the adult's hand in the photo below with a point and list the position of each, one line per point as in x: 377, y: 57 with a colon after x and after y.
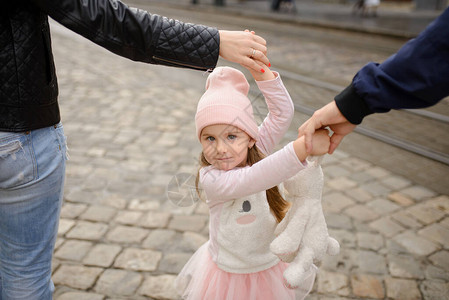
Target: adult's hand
x: 329, y: 115
x: 244, y: 48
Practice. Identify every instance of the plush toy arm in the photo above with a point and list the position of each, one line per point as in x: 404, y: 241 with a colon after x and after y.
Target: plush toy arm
x: 287, y: 242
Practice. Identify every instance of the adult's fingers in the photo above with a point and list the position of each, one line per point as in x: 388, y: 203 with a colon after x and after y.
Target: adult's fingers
x: 252, y: 64
x: 307, y: 130
x: 335, y: 141
x: 260, y: 40
x: 261, y: 57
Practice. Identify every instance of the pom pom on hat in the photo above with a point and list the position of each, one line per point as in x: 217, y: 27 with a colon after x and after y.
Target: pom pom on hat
x: 226, y: 101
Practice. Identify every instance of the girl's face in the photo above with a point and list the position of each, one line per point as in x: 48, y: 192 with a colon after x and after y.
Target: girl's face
x: 225, y: 146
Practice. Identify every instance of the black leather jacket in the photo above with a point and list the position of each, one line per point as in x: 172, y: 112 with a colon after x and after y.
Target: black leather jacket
x: 28, y: 85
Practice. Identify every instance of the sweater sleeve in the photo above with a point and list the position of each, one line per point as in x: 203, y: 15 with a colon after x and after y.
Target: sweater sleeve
x: 416, y: 76
x: 220, y: 186
x: 136, y: 34
x: 280, y: 113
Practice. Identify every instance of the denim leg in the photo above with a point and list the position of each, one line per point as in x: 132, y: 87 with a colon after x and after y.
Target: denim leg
x: 32, y: 167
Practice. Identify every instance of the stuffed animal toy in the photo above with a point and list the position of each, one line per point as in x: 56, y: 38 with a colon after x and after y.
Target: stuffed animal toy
x: 302, y: 236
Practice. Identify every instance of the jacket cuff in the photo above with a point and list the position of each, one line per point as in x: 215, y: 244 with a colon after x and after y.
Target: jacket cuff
x: 352, y: 106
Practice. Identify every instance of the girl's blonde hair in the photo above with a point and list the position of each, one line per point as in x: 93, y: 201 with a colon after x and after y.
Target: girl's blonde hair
x: 278, y: 205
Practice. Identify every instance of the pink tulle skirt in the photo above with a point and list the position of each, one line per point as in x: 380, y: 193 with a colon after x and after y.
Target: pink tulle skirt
x: 201, y: 279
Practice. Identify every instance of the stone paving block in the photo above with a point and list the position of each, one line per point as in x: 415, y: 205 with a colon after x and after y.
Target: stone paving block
x: 78, y: 277
x: 370, y: 241
x: 72, y: 210
x: 127, y: 234
x: 367, y: 286
x: 159, y: 239
x: 355, y: 164
x: 418, y: 192
x: 161, y: 179
x: 159, y: 287
x: 128, y: 217
x: 440, y: 203
x: 360, y: 177
x: 394, y: 247
x: 113, y: 200
x: 436, y: 233
x: 338, y: 221
x: 400, y: 199
x: 416, y: 244
x: 173, y: 263
x: 361, y: 213
x: 424, y: 213
x: 441, y: 259
x: 79, y: 196
x: 99, y: 213
x: 435, y: 289
x: 73, y: 250
x: 87, y: 231
x: 94, y: 184
x: 376, y: 189
x: 406, y: 220
x: 336, y: 202
x: 402, y: 289
x: 405, y: 266
x: 377, y: 172
x: 102, y: 255
x: 335, y: 171
x: 344, y: 237
x: 78, y: 170
x: 201, y: 208
x: 445, y: 222
x: 188, y: 223
x: 55, y: 263
x: 333, y: 283
x: 138, y: 260
x: 371, y: 262
x: 118, y: 283
x: 383, y: 206
x: 64, y: 226
x: 432, y: 272
x: 387, y: 226
x: 59, y: 242
x: 359, y: 194
x: 341, y: 183
x: 79, y: 296
x: 138, y: 204
x: 155, y: 220
x: 396, y: 182
x: 191, y: 241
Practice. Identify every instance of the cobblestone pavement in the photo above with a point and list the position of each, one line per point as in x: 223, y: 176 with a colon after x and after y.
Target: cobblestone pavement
x: 130, y: 131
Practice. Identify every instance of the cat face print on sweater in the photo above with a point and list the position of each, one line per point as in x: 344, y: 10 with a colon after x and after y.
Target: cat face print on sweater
x: 245, y: 232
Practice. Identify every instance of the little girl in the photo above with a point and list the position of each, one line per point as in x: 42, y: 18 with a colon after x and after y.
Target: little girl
x: 239, y: 181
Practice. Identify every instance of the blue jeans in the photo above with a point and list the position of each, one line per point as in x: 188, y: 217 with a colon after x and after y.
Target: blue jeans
x: 32, y: 167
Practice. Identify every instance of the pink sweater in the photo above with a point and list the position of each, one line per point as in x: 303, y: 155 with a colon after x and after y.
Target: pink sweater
x: 241, y: 224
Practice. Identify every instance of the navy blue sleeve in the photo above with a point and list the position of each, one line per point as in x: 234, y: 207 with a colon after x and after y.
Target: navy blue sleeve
x: 416, y: 76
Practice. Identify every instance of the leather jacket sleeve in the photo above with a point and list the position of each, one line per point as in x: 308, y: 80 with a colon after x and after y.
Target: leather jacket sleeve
x: 137, y: 34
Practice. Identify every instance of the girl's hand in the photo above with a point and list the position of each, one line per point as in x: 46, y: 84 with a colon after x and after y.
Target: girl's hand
x: 245, y: 48
x: 261, y: 76
x: 320, y: 142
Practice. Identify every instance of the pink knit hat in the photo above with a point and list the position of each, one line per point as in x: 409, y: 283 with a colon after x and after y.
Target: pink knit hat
x: 226, y: 102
